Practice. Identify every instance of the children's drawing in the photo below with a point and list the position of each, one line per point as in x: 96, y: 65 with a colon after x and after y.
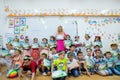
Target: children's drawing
x: 22, y: 21
x: 11, y: 24
x: 16, y: 30
x: 16, y: 21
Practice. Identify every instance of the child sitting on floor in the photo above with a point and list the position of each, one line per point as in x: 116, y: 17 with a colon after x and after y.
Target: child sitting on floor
x: 45, y: 65
x: 83, y: 67
x: 73, y: 67
x: 17, y: 61
x: 61, y: 65
x: 100, y: 64
x: 89, y: 61
x: 117, y: 65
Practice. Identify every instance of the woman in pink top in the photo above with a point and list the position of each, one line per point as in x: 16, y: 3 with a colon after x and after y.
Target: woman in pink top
x: 60, y: 39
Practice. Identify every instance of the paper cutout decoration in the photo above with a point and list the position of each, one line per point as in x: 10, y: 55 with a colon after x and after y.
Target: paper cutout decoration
x: 16, y: 30
x: 16, y: 21
x: 22, y: 21
x: 11, y: 24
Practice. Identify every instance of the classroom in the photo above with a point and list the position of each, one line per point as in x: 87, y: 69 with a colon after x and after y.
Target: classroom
x: 59, y: 39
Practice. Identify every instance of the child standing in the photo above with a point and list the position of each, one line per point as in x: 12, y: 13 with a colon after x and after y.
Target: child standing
x: 26, y: 47
x: 61, y: 64
x: 44, y: 46
x: 16, y: 44
x: 53, y: 55
x: 97, y: 41
x: 60, y: 39
x: 68, y: 42
x: 35, y: 49
x: 73, y: 67
x: 52, y: 42
x: 100, y: 64
x: 77, y: 44
x: 89, y: 61
x: 87, y: 43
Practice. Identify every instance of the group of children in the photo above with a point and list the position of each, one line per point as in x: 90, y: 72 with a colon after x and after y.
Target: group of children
x: 61, y: 53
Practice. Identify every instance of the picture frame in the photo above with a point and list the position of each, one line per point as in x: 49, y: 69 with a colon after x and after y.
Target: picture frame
x: 16, y: 22
x: 16, y: 30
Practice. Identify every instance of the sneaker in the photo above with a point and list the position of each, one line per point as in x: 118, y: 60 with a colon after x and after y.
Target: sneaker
x: 44, y: 74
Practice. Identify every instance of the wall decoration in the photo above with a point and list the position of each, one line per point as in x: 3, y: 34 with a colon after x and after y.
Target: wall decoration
x: 1, y: 41
x: 22, y: 21
x: 22, y: 29
x: 11, y: 24
x: 16, y: 21
x: 16, y: 30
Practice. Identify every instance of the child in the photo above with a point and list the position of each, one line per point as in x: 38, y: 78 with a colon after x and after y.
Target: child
x: 87, y: 43
x: 17, y: 61
x: 73, y: 67
x: 16, y: 44
x: 72, y: 50
x: 82, y: 63
x: 60, y: 39
x: 117, y: 65
x: 68, y: 42
x: 53, y: 55
x: 29, y: 66
x: 35, y: 49
x: 7, y: 59
x: 109, y: 60
x: 77, y: 44
x: 45, y: 65
x: 61, y: 64
x: 52, y: 42
x: 89, y: 61
x: 97, y: 41
x: 115, y: 50
x: 26, y: 47
x: 44, y: 46
x: 100, y: 64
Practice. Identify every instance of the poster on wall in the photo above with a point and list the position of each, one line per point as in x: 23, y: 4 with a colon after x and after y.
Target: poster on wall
x: 16, y: 22
x: 11, y: 24
x: 1, y: 41
x: 16, y: 30
x: 22, y: 29
x: 22, y: 21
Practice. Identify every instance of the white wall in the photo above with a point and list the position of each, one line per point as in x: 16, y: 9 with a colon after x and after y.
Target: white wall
x: 71, y: 4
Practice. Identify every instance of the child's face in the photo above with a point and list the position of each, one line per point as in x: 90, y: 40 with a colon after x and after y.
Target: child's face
x: 77, y: 38
x: 51, y: 38
x: 53, y: 50
x: 67, y: 37
x: 97, y: 48
x: 108, y: 55
x: 9, y: 47
x: 89, y: 52
x: 86, y: 37
x: 114, y: 47
x: 35, y: 40
x: 16, y: 52
x: 72, y: 48
x: 62, y: 56
x: 98, y: 53
x: 44, y: 40
x: 43, y: 56
x: 80, y: 56
x: 70, y: 58
x: 26, y: 40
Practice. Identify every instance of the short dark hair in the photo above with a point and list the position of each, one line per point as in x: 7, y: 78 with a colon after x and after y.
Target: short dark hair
x: 89, y: 49
x: 108, y: 52
x: 60, y: 53
x: 79, y: 52
x: 27, y: 57
x: 44, y: 54
x: 52, y: 48
x: 69, y: 55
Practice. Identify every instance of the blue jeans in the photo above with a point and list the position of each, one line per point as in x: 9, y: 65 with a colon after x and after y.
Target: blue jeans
x: 62, y: 78
x: 75, y: 72
x: 113, y: 70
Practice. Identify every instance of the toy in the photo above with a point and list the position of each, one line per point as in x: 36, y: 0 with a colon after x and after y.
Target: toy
x: 12, y: 73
